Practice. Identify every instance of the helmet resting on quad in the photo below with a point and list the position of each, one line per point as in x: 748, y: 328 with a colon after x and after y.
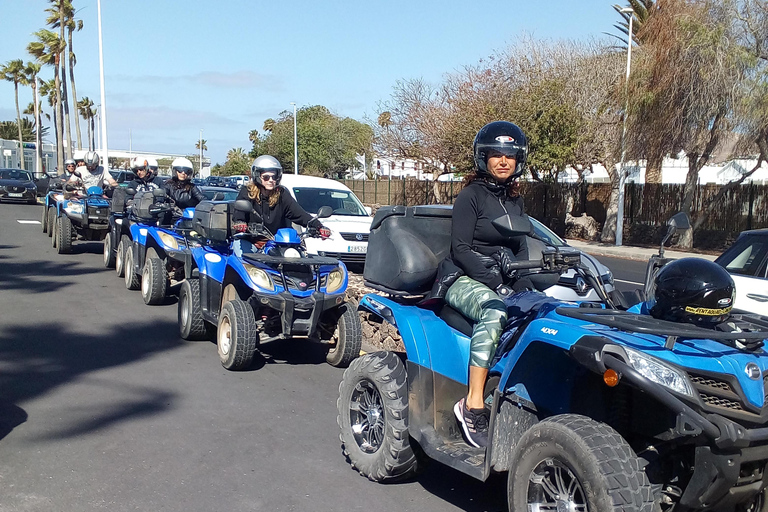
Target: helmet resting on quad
x: 692, y: 290
x: 500, y: 137
x: 266, y: 163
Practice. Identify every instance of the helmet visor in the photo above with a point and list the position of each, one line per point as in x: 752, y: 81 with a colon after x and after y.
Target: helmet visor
x: 183, y: 170
x: 515, y: 151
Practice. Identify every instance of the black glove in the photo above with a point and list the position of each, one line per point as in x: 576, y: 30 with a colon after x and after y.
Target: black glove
x: 505, y: 257
x: 504, y: 291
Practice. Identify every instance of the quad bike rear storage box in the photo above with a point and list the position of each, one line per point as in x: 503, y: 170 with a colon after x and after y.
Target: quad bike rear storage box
x: 405, y: 247
x: 212, y: 220
x: 142, y: 202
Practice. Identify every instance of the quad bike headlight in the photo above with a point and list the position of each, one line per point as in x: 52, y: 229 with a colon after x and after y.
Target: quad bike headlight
x: 335, y: 280
x: 260, y: 278
x: 77, y: 208
x: 659, y: 372
x: 168, y: 240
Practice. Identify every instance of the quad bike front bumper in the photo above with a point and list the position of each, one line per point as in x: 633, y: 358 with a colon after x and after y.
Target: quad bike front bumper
x: 299, y: 315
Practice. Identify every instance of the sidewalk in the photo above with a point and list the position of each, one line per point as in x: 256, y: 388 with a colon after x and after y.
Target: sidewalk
x: 631, y: 253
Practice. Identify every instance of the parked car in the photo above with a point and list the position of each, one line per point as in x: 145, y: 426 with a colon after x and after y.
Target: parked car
x: 218, y: 193
x: 17, y: 185
x: 349, y: 224
x: 747, y: 262
x: 122, y: 177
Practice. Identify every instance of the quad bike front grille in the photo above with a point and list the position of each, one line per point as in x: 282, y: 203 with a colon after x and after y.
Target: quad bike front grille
x: 711, y: 383
x: 717, y: 393
x: 721, y: 402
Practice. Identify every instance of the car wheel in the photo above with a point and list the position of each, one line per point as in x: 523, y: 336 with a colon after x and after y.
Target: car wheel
x: 120, y: 256
x: 571, y: 462
x: 154, y: 281
x: 192, y: 326
x: 347, y: 338
x: 373, y: 418
x: 237, y: 335
x: 109, y: 253
x: 132, y: 279
x: 51, y: 220
x: 44, y: 221
x: 63, y: 235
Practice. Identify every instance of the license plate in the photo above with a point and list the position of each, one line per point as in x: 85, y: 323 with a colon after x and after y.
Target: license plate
x: 15, y: 194
x: 356, y: 248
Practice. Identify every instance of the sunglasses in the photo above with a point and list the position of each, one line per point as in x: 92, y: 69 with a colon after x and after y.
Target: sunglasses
x: 268, y: 177
x: 183, y: 171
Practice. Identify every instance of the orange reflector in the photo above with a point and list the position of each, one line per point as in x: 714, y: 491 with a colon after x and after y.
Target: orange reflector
x: 611, y: 378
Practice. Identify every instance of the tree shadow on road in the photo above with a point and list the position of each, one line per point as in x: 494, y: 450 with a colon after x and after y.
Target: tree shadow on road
x: 290, y: 351
x: 37, y: 360
x: 41, y: 276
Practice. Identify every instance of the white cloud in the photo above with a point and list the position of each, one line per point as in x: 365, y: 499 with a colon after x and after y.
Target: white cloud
x: 235, y: 80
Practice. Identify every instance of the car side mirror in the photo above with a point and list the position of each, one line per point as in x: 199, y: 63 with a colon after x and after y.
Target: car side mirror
x: 324, y: 212
x: 158, y: 193
x: 509, y: 225
x: 679, y: 222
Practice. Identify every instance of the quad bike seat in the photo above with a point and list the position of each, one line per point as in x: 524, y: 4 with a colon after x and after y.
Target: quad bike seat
x: 456, y: 320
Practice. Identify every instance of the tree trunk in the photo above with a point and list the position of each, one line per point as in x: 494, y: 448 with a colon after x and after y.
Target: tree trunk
x: 65, y: 103
x: 88, y: 126
x: 74, y: 91
x: 653, y: 166
x: 38, y: 130
x: 93, y: 133
x: 18, y: 125
x: 59, y: 125
x: 695, y: 163
x: 609, y: 227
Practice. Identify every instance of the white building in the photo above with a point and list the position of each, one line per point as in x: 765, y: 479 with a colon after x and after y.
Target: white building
x: 10, y: 156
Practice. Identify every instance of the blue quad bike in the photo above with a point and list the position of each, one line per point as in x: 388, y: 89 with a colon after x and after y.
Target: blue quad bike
x: 276, y: 293
x: 593, y: 406
x: 158, y: 255
x: 70, y: 218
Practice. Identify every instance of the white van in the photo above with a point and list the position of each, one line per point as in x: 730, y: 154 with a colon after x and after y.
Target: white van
x: 241, y: 179
x: 349, y: 224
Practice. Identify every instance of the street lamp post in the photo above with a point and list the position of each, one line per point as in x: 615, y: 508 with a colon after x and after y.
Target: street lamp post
x: 103, y: 95
x: 200, y: 143
x: 623, y: 173
x: 295, y: 142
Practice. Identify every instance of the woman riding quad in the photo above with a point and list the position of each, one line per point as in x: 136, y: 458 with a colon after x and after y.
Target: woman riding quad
x: 473, y: 279
x: 273, y: 206
x: 180, y: 187
x: 59, y: 180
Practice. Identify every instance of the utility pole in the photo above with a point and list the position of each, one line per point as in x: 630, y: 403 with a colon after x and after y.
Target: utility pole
x: 295, y: 143
x: 105, y: 149
x: 201, y: 152
x: 623, y: 174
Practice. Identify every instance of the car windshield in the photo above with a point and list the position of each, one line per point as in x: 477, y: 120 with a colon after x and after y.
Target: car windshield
x: 549, y: 237
x: 343, y: 202
x: 219, y: 195
x: 12, y: 174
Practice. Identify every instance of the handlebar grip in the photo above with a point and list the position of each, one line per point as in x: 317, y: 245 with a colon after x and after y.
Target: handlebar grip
x: 522, y: 265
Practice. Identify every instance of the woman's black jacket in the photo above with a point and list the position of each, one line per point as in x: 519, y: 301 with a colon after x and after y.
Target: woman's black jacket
x: 185, y: 194
x: 286, y: 211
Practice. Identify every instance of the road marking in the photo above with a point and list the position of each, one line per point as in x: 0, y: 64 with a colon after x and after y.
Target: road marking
x: 28, y: 221
x: 627, y: 282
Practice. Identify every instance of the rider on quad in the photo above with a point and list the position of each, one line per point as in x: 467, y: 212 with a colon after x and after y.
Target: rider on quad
x: 59, y: 180
x: 93, y: 174
x: 474, y: 279
x: 145, y: 170
x: 180, y: 187
x: 274, y: 206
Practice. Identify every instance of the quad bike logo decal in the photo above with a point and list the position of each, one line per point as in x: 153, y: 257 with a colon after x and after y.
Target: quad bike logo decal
x: 752, y: 371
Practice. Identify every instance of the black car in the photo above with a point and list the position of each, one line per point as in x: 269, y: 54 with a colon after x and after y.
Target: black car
x: 219, y: 193
x: 17, y: 185
x: 123, y: 177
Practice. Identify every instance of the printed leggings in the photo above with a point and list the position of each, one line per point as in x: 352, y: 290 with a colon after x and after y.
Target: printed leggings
x: 481, y: 304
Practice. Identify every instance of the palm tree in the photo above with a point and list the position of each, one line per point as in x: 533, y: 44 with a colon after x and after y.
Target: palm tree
x: 85, y: 107
x: 269, y: 125
x: 13, y: 71
x: 46, y: 89
x: 73, y: 25
x: 253, y: 136
x: 385, y: 120
x: 10, y: 129
x: 47, y: 50
x: 642, y: 10
x: 31, y: 70
x: 57, y: 19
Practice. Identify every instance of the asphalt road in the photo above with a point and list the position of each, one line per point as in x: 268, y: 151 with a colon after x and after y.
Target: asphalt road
x: 104, y: 407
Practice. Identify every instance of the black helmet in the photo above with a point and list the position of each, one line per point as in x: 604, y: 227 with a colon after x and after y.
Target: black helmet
x: 266, y: 163
x: 692, y: 290
x: 504, y: 137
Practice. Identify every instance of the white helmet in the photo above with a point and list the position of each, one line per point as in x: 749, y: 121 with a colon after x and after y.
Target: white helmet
x: 152, y: 163
x: 138, y: 162
x: 91, y: 160
x: 182, y: 164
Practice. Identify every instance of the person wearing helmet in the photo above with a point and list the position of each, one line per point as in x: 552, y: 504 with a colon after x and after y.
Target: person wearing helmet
x: 93, y: 175
x: 145, y: 170
x: 691, y: 290
x: 473, y: 279
x: 60, y: 179
x: 274, y: 206
x: 180, y: 187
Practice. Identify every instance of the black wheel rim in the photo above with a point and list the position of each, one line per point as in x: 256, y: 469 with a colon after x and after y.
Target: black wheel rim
x: 553, y: 486
x: 366, y: 416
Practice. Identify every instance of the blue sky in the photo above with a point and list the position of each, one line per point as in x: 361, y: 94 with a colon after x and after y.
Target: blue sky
x: 174, y: 67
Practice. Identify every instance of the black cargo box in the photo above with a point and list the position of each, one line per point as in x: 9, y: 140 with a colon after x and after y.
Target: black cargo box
x: 212, y: 220
x: 405, y: 246
x: 141, y: 204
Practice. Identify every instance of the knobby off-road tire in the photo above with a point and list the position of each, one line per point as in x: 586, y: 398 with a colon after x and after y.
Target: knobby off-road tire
x: 348, y: 336
x: 109, y: 254
x: 132, y: 279
x: 125, y: 242
x: 63, y: 235
x: 373, y: 418
x: 237, y: 335
x: 191, y: 323
x: 44, y: 221
x: 51, y: 221
x: 579, y: 461
x: 154, y: 281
